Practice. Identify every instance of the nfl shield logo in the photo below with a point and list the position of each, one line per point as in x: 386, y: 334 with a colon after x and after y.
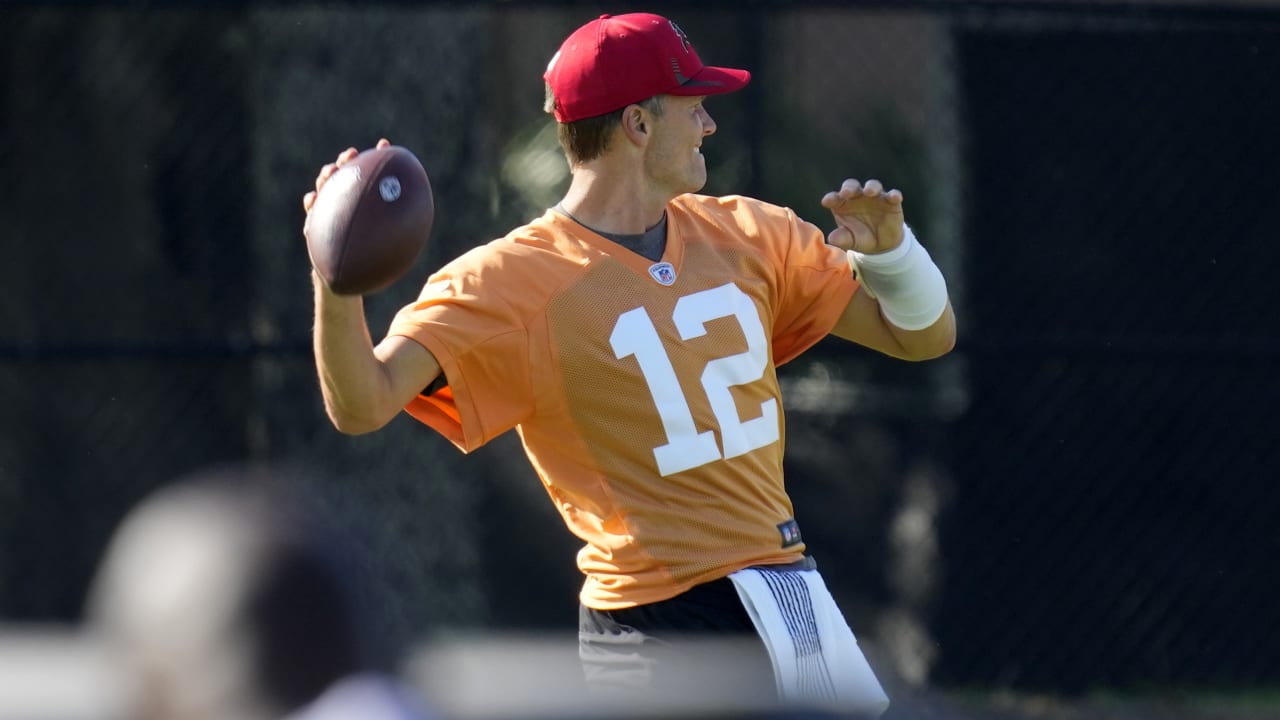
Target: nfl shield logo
x: 790, y: 533
x: 663, y: 272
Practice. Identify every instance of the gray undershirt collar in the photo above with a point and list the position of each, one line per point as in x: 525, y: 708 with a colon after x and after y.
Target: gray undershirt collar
x: 649, y: 244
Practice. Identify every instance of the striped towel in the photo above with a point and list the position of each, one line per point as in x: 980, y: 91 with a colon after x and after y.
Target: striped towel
x: 816, y: 659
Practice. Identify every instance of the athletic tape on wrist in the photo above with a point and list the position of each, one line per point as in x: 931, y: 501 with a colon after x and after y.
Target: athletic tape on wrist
x: 909, y: 286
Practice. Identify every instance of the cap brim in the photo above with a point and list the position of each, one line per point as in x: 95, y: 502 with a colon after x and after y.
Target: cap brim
x: 713, y: 81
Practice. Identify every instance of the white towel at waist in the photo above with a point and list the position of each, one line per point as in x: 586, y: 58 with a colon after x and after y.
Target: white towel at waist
x: 816, y: 659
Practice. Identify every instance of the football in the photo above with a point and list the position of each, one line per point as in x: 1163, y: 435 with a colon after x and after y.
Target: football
x: 370, y: 221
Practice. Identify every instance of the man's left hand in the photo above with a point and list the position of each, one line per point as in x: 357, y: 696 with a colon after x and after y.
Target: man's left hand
x: 868, y: 219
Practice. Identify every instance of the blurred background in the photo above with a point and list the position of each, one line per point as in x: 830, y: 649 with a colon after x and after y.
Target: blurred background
x: 1079, y: 502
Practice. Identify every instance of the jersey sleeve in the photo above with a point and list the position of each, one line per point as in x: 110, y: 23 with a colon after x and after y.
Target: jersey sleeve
x: 480, y: 339
x: 815, y: 286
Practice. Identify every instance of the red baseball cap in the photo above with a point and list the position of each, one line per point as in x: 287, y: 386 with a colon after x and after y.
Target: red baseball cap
x: 617, y: 60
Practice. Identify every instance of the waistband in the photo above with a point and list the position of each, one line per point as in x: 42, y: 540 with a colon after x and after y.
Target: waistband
x: 805, y: 563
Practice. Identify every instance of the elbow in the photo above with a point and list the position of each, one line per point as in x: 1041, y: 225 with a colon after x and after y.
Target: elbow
x: 924, y: 354
x: 352, y: 423
x: 943, y: 344
x: 932, y: 343
x: 357, y: 409
x: 937, y: 349
x: 946, y: 349
x: 349, y: 427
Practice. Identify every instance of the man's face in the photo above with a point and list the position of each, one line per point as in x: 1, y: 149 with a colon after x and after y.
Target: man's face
x: 673, y: 158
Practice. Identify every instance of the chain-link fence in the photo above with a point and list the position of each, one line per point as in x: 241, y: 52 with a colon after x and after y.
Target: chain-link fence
x: 1080, y: 496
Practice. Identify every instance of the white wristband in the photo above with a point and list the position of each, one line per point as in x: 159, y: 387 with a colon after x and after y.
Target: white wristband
x: 909, y: 286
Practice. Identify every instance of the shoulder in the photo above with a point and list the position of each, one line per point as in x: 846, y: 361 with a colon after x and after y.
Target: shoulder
x: 770, y: 230
x: 739, y: 211
x: 729, y: 205
x: 743, y: 221
x: 538, y: 247
x: 520, y: 271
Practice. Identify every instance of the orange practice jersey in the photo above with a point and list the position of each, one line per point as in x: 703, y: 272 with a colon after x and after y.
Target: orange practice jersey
x: 645, y: 393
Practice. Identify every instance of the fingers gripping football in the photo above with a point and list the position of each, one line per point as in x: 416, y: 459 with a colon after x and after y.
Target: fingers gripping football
x: 368, y: 219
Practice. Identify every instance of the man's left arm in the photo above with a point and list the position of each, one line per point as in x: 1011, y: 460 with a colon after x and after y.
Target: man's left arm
x: 902, y: 308
x: 863, y: 322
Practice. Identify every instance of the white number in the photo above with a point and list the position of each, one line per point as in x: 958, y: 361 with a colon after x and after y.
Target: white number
x: 691, y: 315
x: 686, y: 448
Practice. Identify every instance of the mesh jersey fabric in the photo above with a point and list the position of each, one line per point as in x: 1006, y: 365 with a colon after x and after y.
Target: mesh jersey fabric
x: 651, y: 412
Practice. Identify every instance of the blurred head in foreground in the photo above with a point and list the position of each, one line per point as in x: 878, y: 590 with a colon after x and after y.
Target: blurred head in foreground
x: 222, y: 597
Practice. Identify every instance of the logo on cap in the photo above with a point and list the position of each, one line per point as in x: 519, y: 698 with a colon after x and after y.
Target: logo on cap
x: 684, y: 39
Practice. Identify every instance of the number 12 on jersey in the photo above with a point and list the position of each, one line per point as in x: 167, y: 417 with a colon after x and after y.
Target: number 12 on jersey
x: 635, y: 335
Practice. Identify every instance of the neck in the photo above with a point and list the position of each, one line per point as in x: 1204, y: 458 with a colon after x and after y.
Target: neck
x: 613, y: 202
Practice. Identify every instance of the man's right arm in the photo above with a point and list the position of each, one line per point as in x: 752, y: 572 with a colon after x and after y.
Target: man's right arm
x: 364, y: 386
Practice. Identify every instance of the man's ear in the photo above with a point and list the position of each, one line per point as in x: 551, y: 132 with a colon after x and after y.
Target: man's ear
x: 635, y: 124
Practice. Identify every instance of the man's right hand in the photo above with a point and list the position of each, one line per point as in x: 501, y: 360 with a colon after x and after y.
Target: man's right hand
x: 329, y: 169
x: 364, y: 386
